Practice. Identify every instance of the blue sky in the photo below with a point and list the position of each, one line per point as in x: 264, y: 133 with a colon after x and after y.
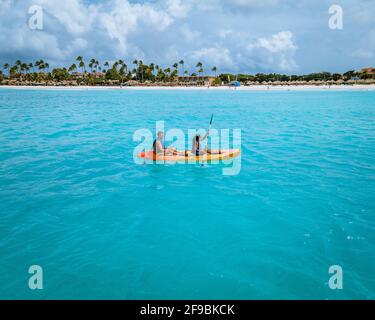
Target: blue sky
x: 239, y: 36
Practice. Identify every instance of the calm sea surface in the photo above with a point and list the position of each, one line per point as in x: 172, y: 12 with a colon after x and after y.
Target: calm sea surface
x: 73, y: 201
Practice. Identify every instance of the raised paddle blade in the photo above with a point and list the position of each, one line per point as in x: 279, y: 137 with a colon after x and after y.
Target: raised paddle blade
x: 212, y: 119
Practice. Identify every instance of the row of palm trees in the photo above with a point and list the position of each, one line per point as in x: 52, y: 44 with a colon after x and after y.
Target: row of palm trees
x: 21, y: 67
x: 119, y: 68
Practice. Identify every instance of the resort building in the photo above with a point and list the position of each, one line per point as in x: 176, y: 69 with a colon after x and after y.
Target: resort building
x: 96, y: 75
x: 77, y: 75
x: 196, y: 80
x: 367, y: 70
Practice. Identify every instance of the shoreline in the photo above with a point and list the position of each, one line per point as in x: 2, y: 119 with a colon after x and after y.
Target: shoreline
x: 359, y: 87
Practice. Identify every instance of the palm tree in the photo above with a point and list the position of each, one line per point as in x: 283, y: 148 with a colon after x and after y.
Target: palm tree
x: 81, y: 63
x: 175, y: 71
x: 31, y: 66
x: 37, y: 63
x: 174, y: 74
x: 141, y: 68
x: 201, y: 70
x: 125, y: 67
x: 167, y: 71
x: 13, y: 71
x: 122, y: 72
x: 95, y: 65
x: 17, y: 66
x: 152, y: 68
x: 27, y: 68
x: 200, y: 67
x: 135, y: 62
x: 182, y: 63
x: 157, y: 68
x: 82, y: 66
x: 92, y: 64
x: 106, y: 65
x: 214, y: 69
x: 134, y: 72
x: 72, y: 67
x: 6, y: 66
x: 23, y: 67
x: 122, y: 64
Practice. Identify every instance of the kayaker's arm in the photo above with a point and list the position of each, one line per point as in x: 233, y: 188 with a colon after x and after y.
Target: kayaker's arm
x: 206, y: 136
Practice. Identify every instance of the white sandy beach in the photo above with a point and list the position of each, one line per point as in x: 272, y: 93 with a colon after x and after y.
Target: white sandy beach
x: 369, y: 87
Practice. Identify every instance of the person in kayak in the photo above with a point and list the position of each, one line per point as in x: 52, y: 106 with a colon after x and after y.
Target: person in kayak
x: 197, y: 150
x: 158, y: 146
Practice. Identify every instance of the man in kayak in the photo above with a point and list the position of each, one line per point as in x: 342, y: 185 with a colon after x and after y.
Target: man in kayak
x: 158, y: 146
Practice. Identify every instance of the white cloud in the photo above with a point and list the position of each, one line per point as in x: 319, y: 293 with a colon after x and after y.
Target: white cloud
x: 74, y: 27
x: 72, y: 14
x: 278, y: 50
x: 254, y: 3
x: 224, y: 33
x: 280, y: 42
x: 215, y: 31
x: 214, y: 56
x: 190, y: 35
x: 179, y: 8
x: 124, y: 18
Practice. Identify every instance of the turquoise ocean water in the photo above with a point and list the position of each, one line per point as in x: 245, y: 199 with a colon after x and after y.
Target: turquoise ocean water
x: 73, y: 201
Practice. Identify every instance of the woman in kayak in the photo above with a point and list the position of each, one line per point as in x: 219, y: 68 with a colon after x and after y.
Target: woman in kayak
x: 197, y: 150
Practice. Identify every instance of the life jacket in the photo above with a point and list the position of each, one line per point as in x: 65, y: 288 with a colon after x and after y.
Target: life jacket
x: 197, y: 146
x: 154, y: 146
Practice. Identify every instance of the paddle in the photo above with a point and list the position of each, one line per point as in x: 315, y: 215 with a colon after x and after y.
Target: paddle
x: 209, y: 128
x: 212, y: 119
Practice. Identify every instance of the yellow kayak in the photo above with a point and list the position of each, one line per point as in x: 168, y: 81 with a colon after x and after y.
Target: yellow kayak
x: 190, y: 157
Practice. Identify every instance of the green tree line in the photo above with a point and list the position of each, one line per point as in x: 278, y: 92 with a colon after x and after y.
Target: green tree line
x: 94, y: 72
